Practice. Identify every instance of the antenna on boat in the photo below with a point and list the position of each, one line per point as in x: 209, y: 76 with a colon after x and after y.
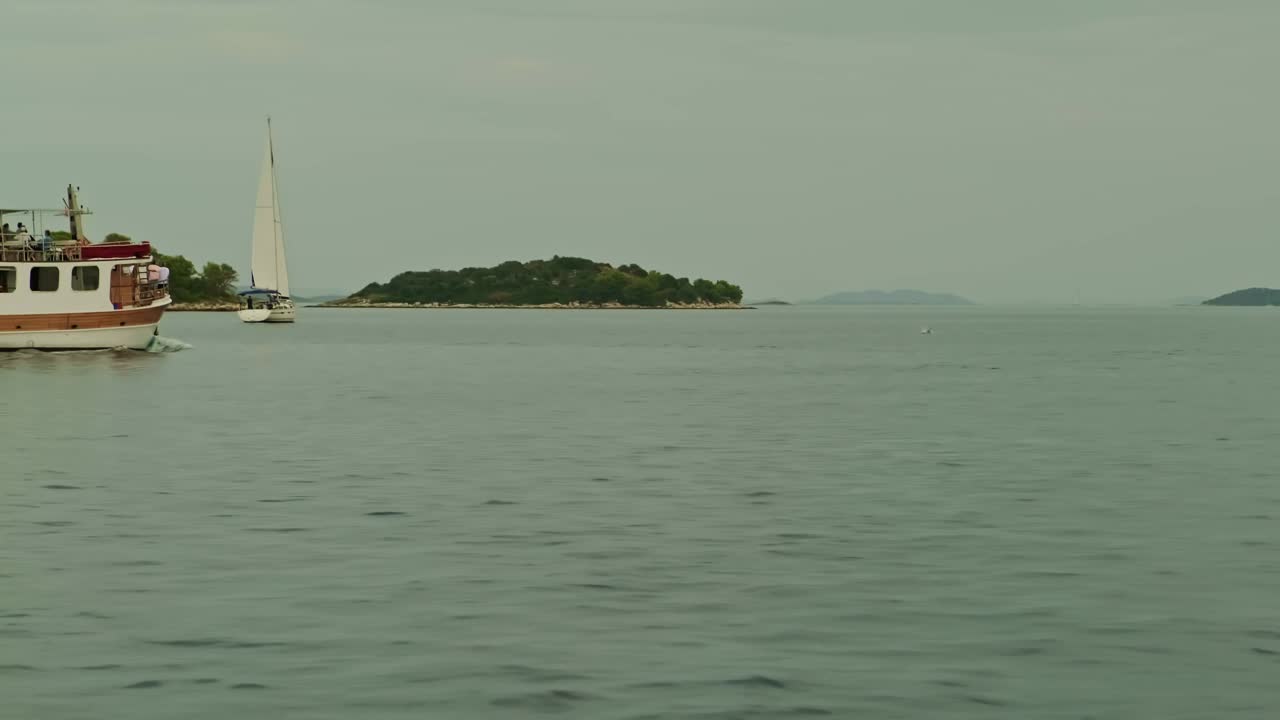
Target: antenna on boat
x: 73, y: 211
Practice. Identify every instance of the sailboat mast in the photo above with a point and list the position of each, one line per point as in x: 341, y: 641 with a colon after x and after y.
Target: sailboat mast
x: 275, y: 203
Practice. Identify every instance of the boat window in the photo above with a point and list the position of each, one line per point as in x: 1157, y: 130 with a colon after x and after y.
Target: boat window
x: 8, y: 279
x: 84, y: 277
x: 44, y: 279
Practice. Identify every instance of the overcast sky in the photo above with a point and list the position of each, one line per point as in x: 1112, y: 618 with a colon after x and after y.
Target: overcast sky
x: 1006, y: 150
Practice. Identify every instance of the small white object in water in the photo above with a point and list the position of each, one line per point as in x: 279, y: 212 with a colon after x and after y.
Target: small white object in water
x: 926, y: 330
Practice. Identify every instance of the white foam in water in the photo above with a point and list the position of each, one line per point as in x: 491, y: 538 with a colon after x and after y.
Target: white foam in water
x: 165, y: 345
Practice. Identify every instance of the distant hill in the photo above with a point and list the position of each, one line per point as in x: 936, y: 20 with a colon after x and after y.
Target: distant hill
x: 1252, y: 297
x: 895, y: 297
x: 317, y: 293
x: 304, y: 294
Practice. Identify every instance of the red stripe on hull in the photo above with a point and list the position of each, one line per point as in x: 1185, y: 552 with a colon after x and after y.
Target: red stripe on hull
x: 81, y: 321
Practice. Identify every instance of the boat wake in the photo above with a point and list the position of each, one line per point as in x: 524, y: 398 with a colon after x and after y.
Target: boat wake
x: 157, y: 344
x: 160, y: 344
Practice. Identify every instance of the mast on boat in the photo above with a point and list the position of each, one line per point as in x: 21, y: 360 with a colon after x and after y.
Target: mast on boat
x: 76, y: 213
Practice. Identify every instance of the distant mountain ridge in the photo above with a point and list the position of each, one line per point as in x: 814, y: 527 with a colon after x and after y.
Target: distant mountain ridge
x: 307, y: 293
x: 892, y: 297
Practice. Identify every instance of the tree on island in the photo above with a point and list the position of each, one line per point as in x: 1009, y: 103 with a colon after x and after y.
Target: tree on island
x: 218, y: 280
x: 562, y: 280
x: 215, y: 283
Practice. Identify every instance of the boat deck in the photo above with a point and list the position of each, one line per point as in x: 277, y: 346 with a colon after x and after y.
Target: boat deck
x: 10, y: 252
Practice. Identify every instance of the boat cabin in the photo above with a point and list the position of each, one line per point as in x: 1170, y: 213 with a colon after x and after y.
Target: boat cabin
x: 62, y: 292
x: 46, y: 271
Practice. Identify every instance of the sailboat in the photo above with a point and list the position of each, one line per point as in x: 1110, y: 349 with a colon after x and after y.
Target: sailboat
x: 268, y: 300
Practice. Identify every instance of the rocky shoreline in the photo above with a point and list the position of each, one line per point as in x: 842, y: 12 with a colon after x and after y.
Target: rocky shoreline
x: 232, y: 307
x: 203, y: 307
x: 544, y: 306
x: 355, y: 304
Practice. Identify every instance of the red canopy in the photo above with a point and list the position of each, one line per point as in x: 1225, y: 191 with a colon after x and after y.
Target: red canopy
x: 115, y: 252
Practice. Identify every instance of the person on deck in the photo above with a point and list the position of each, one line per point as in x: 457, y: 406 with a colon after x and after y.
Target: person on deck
x: 23, y: 236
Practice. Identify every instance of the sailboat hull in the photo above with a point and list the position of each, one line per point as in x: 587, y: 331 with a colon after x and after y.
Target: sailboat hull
x: 278, y: 310
x: 284, y: 314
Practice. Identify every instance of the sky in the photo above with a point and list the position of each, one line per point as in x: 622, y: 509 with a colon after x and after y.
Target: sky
x: 1009, y: 151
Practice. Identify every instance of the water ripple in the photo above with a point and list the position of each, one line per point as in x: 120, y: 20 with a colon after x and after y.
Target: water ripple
x: 543, y: 701
x: 216, y: 643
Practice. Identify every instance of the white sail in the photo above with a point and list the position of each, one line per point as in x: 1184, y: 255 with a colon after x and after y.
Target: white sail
x: 269, y: 271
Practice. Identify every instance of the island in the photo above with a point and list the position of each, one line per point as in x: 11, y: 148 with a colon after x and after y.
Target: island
x: 1251, y: 297
x: 895, y: 297
x: 561, y: 282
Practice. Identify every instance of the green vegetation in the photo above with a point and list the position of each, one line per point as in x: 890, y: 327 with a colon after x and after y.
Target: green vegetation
x: 561, y: 280
x: 1252, y: 297
x: 215, y: 283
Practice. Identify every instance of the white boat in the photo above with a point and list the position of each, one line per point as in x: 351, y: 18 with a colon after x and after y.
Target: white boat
x: 64, y: 293
x: 926, y: 330
x: 268, y: 299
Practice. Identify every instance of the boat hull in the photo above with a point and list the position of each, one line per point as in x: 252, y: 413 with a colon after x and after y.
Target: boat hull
x: 278, y: 314
x: 134, y: 337
x: 132, y: 328
x: 284, y: 314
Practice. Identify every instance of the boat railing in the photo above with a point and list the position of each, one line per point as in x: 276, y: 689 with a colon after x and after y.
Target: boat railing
x: 149, y: 292
x: 133, y: 286
x: 12, y: 251
x: 34, y: 253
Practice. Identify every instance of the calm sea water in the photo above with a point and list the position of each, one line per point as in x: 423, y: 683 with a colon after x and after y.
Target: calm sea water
x: 781, y: 513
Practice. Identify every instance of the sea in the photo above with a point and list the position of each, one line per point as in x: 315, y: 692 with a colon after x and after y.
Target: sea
x: 788, y: 512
